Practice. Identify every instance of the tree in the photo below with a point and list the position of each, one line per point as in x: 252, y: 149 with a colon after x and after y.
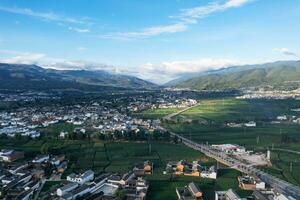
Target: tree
x: 120, y: 194
x: 45, y: 148
x: 101, y: 136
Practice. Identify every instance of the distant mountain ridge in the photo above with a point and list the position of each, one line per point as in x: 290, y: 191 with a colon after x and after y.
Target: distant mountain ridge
x: 278, y: 75
x: 33, y: 77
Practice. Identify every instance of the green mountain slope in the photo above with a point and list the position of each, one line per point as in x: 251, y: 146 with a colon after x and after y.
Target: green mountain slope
x: 33, y: 77
x: 280, y: 75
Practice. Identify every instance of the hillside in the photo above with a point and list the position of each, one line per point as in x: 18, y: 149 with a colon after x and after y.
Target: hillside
x: 278, y: 75
x: 33, y: 77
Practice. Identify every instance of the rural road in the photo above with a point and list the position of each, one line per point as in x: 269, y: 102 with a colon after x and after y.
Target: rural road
x: 279, y: 185
x: 170, y: 116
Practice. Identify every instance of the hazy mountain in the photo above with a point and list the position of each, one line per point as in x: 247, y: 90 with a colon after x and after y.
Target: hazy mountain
x: 19, y: 76
x: 277, y: 75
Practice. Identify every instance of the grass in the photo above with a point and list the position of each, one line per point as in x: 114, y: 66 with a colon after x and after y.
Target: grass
x: 238, y: 110
x: 156, y: 113
x: 208, y: 121
x: 121, y: 157
x: 163, y: 187
x: 281, y: 163
x: 55, y: 129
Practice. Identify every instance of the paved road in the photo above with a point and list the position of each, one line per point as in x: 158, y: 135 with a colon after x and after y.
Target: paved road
x: 278, y: 184
x: 172, y: 115
x: 287, y: 150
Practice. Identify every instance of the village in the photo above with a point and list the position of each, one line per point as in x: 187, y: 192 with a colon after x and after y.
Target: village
x: 101, y: 117
x: 24, y: 179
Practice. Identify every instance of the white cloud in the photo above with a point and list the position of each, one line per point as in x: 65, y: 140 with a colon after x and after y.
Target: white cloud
x: 151, y: 31
x: 287, y: 52
x: 183, y: 20
x: 81, y: 49
x: 78, y: 65
x: 79, y: 30
x: 50, y: 16
x: 166, y: 71
x: 24, y: 58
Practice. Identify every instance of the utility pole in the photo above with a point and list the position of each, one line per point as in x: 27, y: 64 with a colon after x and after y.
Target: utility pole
x: 291, y: 167
x: 149, y: 144
x: 149, y: 148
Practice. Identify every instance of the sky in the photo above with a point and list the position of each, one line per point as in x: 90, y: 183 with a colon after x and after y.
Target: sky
x: 155, y: 40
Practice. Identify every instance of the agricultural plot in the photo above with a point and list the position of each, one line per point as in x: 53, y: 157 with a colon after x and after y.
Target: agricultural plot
x: 55, y: 129
x: 156, y: 113
x: 82, y: 155
x: 206, y: 124
x: 163, y: 187
x: 121, y: 157
x: 238, y: 110
x: 286, y: 166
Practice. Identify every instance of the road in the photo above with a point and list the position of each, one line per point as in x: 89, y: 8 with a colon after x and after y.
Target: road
x: 279, y: 185
x: 287, y: 150
x: 170, y: 116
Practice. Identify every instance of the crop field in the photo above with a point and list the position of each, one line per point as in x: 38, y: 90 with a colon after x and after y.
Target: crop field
x: 286, y: 166
x: 55, y: 129
x: 163, y: 186
x: 238, y: 110
x: 121, y: 157
x: 206, y: 124
x: 82, y: 155
x: 156, y: 113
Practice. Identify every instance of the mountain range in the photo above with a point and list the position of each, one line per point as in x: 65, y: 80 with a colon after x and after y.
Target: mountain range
x: 33, y: 77
x: 282, y: 75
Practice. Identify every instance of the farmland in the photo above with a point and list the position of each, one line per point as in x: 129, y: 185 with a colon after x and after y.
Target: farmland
x: 156, y: 113
x: 121, y: 157
x: 206, y: 124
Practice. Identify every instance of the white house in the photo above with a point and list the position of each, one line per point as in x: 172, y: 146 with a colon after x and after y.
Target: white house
x: 227, y: 195
x: 250, y: 124
x: 41, y: 159
x: 282, y: 117
x: 63, y: 134
x: 67, y: 188
x: 211, y: 173
x: 83, y: 178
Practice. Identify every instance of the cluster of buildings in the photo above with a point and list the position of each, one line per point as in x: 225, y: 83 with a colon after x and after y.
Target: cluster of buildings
x: 287, y: 119
x: 270, y: 94
x: 259, y: 191
x: 178, y: 103
x: 240, y: 152
x: 23, y: 179
x: 9, y: 155
x: 28, y: 96
x: 191, y: 169
x: 13, y: 123
x: 105, y: 116
x: 189, y: 192
x: 239, y: 125
x: 87, y: 186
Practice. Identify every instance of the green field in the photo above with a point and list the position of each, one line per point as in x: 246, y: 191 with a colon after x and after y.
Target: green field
x: 55, y: 129
x: 156, y: 113
x: 281, y: 166
x: 121, y: 157
x: 238, y: 110
x: 206, y: 124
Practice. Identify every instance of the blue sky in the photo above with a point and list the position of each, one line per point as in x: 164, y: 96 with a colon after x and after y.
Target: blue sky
x: 155, y: 40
